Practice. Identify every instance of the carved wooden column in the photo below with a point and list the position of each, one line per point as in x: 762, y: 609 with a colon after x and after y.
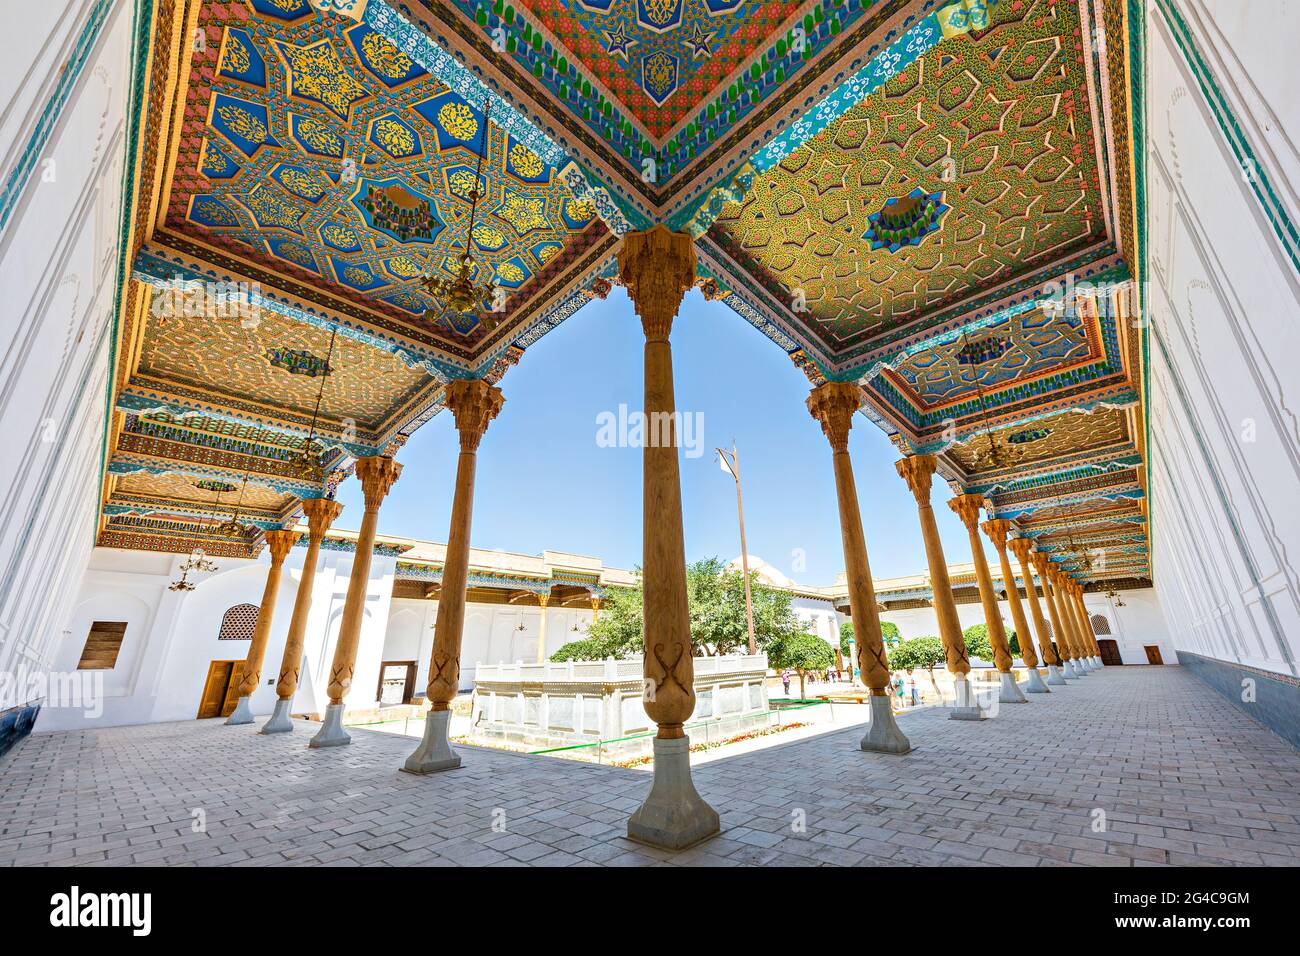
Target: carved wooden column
x: 542, y: 601
x: 834, y: 404
x: 917, y: 471
x: 1083, y: 652
x: 996, y: 529
x: 1092, y: 651
x: 279, y: 543
x: 473, y: 403
x: 1092, y: 631
x: 1063, y: 652
x: 1080, y: 629
x: 321, y: 513
x: 967, y: 508
x: 1022, y: 548
x: 1068, y: 641
x: 377, y: 474
x: 656, y: 268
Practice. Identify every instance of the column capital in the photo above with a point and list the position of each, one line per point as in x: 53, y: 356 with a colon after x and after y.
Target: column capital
x: 967, y: 508
x: 474, y: 402
x: 1022, y: 548
x: 917, y: 470
x: 1041, y: 564
x: 280, y: 543
x: 833, y: 404
x: 657, y: 267
x: 377, y: 475
x: 997, y: 530
x: 320, y: 513
x: 543, y: 599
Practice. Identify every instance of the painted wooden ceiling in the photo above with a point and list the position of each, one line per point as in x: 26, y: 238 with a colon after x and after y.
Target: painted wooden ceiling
x: 936, y: 199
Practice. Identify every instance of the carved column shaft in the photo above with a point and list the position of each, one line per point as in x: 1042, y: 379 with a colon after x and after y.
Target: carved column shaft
x: 1085, y: 622
x: 473, y: 403
x: 967, y: 508
x: 279, y: 543
x: 917, y: 471
x: 833, y: 405
x: 657, y: 267
x: 542, y: 601
x: 377, y: 475
x: 321, y: 513
x: 1022, y: 548
x: 1064, y: 651
x: 996, y: 529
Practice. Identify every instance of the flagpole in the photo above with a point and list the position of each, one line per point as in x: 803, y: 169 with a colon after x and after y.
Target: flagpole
x: 744, y: 551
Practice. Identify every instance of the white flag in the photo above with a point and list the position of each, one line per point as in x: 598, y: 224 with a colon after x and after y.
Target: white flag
x: 725, y: 463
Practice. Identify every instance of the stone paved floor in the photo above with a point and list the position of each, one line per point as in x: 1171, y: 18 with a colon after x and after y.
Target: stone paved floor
x: 1181, y: 776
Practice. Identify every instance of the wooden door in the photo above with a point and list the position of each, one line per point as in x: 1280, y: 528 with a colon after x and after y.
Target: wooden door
x: 214, y: 689
x: 232, y: 688
x: 1153, y: 654
x: 1109, y: 652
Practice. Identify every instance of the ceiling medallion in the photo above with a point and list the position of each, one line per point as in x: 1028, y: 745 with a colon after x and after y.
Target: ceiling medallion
x: 218, y: 486
x: 298, y: 362
x: 981, y: 350
x: 906, y: 221
x: 1028, y: 435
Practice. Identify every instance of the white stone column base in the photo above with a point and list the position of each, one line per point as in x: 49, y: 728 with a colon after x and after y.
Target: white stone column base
x: 243, y: 713
x: 280, y: 722
x: 1034, y: 684
x: 883, y: 735
x: 674, y: 816
x: 1054, y: 675
x: 331, y: 733
x: 1076, y: 670
x: 966, y: 707
x: 1009, y: 692
x: 1096, y: 662
x: 435, y: 752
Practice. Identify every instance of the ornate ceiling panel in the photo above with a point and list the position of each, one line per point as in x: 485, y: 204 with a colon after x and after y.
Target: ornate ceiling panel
x: 1063, y: 438
x: 279, y: 363
x: 971, y: 169
x: 315, y: 149
x: 1015, y: 349
x: 204, y: 494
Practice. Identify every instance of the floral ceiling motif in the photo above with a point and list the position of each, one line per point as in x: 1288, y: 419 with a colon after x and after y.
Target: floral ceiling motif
x: 998, y: 123
x: 316, y: 148
x: 231, y: 361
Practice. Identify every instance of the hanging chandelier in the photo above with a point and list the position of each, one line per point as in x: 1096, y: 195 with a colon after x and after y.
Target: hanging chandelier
x: 312, y: 449
x: 233, y: 527
x: 975, y: 354
x: 464, y: 294
x: 197, y: 561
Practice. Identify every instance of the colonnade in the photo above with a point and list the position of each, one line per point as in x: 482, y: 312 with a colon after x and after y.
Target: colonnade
x: 657, y: 267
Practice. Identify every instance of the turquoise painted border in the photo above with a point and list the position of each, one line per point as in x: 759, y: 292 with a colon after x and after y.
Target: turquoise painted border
x: 13, y: 187
x: 1260, y: 184
x: 140, y: 44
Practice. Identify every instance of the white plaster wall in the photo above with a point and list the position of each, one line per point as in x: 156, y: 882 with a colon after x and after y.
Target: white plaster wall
x: 822, y: 616
x: 1222, y: 304
x: 171, y: 638
x: 58, y: 253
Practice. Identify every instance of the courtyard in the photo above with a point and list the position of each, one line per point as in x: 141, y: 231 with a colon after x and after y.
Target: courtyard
x: 1137, y: 766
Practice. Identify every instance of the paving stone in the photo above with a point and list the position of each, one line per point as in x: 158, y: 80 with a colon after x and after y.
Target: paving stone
x: 1182, y: 777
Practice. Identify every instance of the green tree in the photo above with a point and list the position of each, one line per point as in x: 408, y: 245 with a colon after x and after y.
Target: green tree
x: 580, y: 650
x: 889, y: 633
x: 926, y: 652
x: 716, y: 597
x: 978, y: 643
x: 800, y: 652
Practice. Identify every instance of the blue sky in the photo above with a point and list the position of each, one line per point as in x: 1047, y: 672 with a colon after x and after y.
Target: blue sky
x: 545, y: 483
